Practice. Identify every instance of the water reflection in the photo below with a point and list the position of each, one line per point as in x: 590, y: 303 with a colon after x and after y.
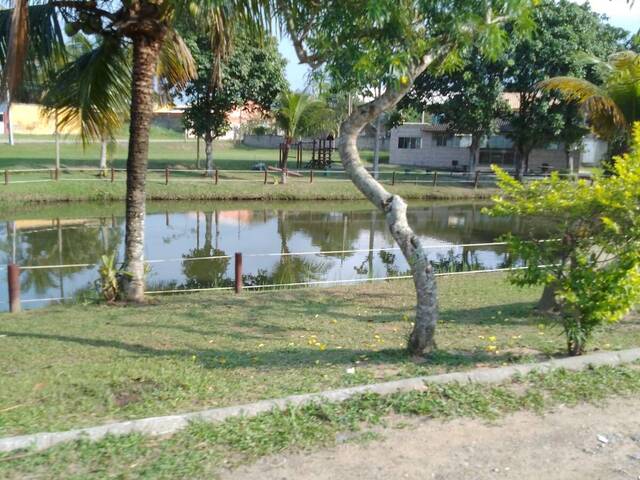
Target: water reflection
x: 341, y: 243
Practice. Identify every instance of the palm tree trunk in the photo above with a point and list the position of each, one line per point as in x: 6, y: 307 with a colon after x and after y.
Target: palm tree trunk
x: 57, y: 138
x: 395, y: 211
x: 145, y: 59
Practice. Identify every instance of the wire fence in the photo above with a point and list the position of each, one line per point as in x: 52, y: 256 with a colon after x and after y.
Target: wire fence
x: 241, y: 284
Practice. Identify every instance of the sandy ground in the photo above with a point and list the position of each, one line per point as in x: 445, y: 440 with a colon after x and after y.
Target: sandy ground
x: 584, y: 442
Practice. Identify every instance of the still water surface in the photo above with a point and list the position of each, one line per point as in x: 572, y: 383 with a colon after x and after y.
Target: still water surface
x: 178, y: 234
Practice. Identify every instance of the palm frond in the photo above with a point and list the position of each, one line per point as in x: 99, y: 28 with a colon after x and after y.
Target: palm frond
x: 603, y: 111
x: 35, y: 51
x: 176, y: 64
x: 93, y: 91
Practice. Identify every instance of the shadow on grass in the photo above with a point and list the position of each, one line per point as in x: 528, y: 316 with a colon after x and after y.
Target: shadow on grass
x: 284, y: 358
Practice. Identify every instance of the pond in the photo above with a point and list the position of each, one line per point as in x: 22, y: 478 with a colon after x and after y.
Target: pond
x: 338, y: 243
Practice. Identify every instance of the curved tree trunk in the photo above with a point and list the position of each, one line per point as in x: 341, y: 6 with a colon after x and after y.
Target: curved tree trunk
x: 395, y: 211
x: 376, y: 148
x: 145, y: 59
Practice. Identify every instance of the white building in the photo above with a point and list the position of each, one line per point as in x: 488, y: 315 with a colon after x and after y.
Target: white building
x: 433, y: 147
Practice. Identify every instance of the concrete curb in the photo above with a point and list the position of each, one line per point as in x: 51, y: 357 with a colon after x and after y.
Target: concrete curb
x: 173, y: 423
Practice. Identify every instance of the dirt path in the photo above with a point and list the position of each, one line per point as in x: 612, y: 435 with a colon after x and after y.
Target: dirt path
x: 584, y: 442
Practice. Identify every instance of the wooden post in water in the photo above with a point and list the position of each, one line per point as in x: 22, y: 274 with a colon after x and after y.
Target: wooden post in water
x: 238, y: 272
x: 435, y: 177
x: 393, y: 178
x: 476, y: 181
x: 166, y: 175
x: 311, y: 176
x: 265, y: 177
x: 13, y: 277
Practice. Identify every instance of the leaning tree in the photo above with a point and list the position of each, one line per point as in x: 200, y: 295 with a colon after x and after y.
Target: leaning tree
x: 390, y: 42
x: 146, y: 27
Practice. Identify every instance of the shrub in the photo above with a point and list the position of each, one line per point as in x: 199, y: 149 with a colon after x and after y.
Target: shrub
x: 592, y: 262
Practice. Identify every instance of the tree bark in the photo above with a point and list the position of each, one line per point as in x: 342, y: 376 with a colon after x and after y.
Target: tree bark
x: 474, y: 153
x: 376, y: 148
x: 103, y: 156
x: 395, y: 211
x: 548, y: 302
x: 208, y: 150
x: 57, y: 138
x: 145, y: 58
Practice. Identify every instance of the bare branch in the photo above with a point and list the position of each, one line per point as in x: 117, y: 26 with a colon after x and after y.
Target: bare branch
x: 313, y: 60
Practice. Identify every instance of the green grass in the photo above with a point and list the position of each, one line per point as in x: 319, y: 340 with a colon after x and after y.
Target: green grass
x: 202, y: 449
x: 75, y: 186
x: 71, y: 366
x: 174, y: 153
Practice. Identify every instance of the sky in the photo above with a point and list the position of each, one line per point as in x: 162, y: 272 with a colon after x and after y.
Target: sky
x: 619, y: 12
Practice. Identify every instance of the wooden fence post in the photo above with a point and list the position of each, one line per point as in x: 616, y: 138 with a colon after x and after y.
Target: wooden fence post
x: 6, y: 177
x: 393, y: 178
x: 435, y: 177
x: 13, y: 277
x: 215, y: 177
x: 166, y: 175
x: 265, y: 177
x: 311, y: 176
x: 238, y: 271
x: 476, y: 181
x: 56, y: 174
x: 113, y: 174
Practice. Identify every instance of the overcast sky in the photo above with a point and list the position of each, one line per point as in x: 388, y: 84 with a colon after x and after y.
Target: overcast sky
x: 619, y: 12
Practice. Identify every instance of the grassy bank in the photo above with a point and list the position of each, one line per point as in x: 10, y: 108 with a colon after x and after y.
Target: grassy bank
x: 70, y: 366
x: 203, y: 449
x: 248, y: 188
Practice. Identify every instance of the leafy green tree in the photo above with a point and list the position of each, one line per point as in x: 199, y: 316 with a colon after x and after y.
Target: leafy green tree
x: 391, y: 42
x: 468, y: 100
x: 564, y: 31
x: 613, y: 106
x: 251, y: 77
x: 592, y: 261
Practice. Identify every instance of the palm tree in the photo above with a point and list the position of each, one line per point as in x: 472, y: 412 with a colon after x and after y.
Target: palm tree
x: 612, y: 107
x: 146, y: 27
x: 289, y: 117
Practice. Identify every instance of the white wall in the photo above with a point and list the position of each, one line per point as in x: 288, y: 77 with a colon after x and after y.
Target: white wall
x: 593, y: 152
x: 427, y: 155
x: 431, y: 156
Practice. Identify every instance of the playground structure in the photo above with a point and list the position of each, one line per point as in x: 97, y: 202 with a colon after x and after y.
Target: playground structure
x: 321, y: 153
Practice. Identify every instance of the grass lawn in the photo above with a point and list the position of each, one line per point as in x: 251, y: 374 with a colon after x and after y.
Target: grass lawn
x: 78, y: 186
x: 34, y: 153
x: 79, y: 365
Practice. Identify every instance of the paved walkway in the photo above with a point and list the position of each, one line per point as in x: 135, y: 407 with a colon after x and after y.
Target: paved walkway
x: 583, y: 442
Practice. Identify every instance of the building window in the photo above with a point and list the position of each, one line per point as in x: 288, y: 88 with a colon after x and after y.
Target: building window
x: 409, y: 142
x: 442, y: 139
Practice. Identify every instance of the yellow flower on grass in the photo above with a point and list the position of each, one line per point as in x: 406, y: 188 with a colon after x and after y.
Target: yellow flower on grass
x: 491, y: 348
x: 492, y: 338
x: 322, y: 346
